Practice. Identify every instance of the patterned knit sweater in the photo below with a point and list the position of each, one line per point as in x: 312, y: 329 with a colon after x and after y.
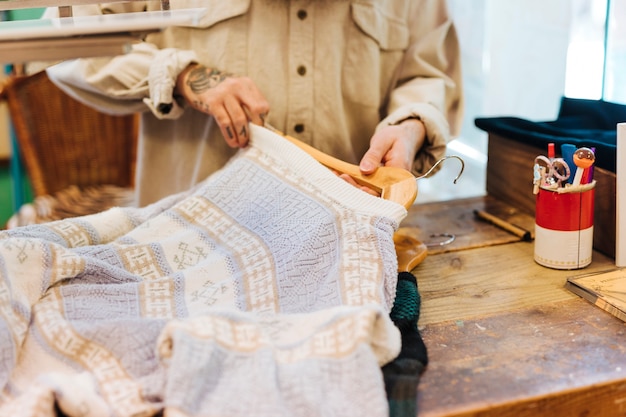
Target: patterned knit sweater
x: 263, y: 291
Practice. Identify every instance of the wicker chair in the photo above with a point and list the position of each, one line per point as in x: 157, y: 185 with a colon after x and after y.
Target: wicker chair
x: 79, y: 161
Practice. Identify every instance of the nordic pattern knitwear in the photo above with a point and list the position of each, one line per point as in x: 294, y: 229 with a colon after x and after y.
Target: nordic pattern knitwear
x: 263, y: 291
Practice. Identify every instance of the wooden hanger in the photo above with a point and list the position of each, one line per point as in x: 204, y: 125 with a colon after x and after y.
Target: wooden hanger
x: 394, y: 184
x: 409, y: 250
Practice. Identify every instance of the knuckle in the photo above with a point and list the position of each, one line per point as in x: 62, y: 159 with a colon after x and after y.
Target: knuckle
x: 222, y: 119
x: 239, y: 121
x: 260, y: 107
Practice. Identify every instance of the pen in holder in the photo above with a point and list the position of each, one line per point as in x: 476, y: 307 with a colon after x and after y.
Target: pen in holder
x: 564, y: 208
x: 564, y: 226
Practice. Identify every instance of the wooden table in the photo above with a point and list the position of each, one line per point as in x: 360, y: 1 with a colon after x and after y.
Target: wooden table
x: 504, y: 337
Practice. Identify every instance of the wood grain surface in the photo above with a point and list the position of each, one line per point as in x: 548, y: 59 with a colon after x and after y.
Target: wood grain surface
x: 434, y: 222
x: 504, y: 337
x: 555, y: 359
x: 491, y: 280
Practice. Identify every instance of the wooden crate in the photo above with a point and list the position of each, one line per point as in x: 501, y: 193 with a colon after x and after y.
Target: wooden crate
x: 510, y: 179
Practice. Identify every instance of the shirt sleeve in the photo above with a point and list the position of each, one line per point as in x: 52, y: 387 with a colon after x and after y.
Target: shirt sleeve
x: 128, y: 83
x: 143, y: 79
x: 429, y: 83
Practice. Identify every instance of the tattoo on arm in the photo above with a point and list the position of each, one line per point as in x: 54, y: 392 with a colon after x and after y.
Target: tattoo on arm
x: 202, y: 78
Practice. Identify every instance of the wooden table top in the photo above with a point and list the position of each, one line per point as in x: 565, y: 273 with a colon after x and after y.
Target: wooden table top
x: 504, y: 337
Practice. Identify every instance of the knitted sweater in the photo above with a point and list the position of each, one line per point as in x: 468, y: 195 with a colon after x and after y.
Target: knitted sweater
x: 263, y: 291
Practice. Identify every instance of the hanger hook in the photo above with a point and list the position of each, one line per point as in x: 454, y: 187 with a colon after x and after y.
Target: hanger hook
x: 440, y: 161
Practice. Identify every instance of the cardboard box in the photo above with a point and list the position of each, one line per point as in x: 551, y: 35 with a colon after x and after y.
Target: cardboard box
x: 510, y: 179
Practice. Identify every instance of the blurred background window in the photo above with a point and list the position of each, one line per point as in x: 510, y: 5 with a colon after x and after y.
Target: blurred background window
x: 520, y: 57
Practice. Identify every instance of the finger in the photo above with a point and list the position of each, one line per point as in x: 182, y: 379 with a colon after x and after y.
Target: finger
x: 254, y: 102
x: 257, y: 112
x: 370, y: 191
x: 229, y: 103
x: 225, y: 124
x: 351, y: 181
x: 238, y: 128
x: 375, y: 155
x: 347, y: 178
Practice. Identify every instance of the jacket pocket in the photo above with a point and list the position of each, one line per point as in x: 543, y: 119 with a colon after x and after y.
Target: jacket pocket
x: 214, y: 11
x: 375, y: 46
x: 388, y: 30
x: 220, y: 10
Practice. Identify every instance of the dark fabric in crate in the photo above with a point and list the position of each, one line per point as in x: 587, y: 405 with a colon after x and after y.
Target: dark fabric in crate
x: 581, y: 122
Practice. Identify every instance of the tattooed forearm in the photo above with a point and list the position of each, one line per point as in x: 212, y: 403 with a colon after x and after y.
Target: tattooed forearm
x: 201, y: 78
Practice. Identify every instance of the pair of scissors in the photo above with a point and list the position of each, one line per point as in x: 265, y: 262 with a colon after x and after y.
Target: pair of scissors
x: 549, y: 173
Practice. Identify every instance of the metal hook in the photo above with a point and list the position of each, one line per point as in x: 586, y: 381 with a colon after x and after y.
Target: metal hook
x: 449, y: 238
x: 440, y: 161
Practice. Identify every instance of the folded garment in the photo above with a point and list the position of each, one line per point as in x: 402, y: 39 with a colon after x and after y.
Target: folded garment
x: 402, y: 375
x: 264, y: 291
x: 581, y: 122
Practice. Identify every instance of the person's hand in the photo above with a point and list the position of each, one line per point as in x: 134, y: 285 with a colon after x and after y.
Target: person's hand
x: 232, y: 101
x: 394, y: 146
x: 347, y: 178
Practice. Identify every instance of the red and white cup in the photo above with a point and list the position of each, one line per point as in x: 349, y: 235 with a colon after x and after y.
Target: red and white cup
x: 564, y: 228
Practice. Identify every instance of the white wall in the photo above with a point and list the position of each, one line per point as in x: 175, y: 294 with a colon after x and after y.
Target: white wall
x: 514, y: 54
x: 526, y: 47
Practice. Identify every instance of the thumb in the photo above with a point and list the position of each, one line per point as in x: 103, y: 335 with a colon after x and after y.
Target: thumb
x: 373, y: 158
x: 369, y: 163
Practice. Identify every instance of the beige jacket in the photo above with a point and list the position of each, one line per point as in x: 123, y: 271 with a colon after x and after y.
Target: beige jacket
x: 332, y: 71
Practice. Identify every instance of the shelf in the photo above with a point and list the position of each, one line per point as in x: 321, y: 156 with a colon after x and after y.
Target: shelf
x: 65, y: 48
x: 33, y: 4
x: 84, y: 36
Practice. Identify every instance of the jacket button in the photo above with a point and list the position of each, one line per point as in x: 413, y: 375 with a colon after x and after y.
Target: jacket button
x: 301, y: 70
x: 299, y: 128
x: 302, y: 14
